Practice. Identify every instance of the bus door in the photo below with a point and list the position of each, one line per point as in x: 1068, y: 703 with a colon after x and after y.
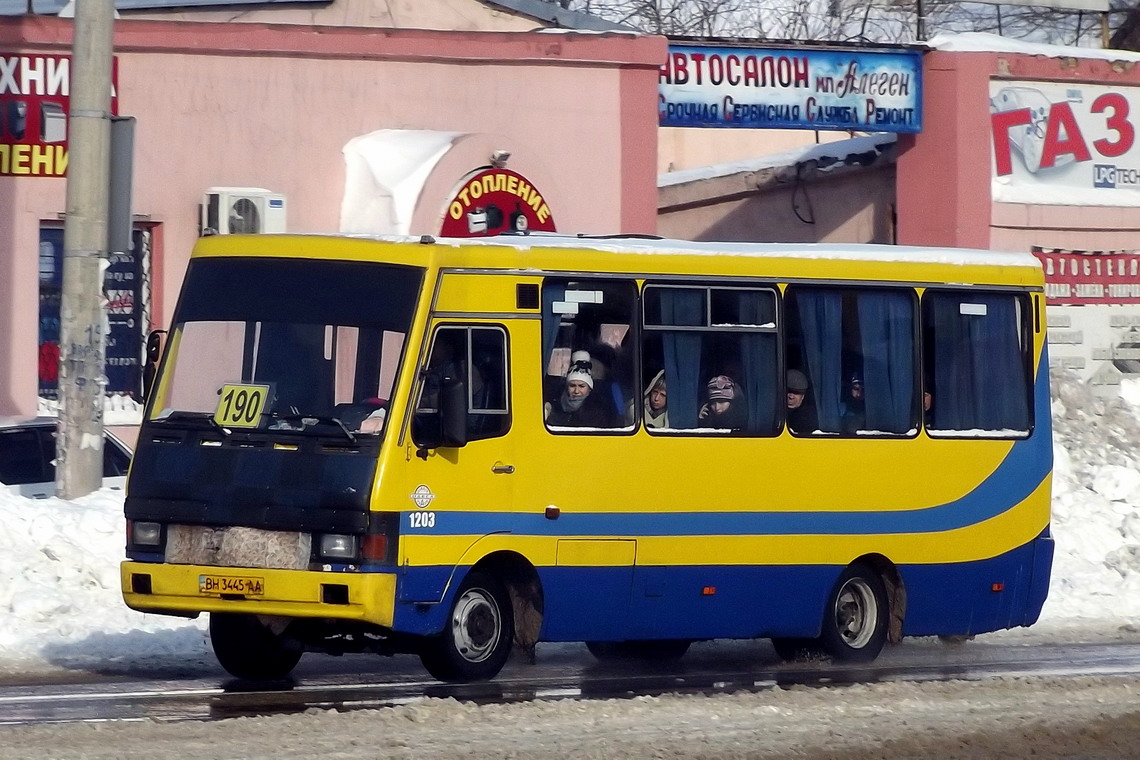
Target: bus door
x: 461, y: 489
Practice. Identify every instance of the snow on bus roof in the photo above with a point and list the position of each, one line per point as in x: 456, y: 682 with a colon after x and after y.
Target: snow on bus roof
x: 664, y: 246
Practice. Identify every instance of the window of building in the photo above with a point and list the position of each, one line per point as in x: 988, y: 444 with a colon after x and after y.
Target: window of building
x: 588, y: 348
x: 857, y: 348
x: 126, y: 283
x: 715, y: 351
x: 976, y: 362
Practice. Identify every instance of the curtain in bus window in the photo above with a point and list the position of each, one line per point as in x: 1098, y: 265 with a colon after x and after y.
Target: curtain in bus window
x: 821, y: 316
x: 758, y: 353
x: 551, y: 292
x: 979, y: 367
x: 886, y: 334
x: 682, y: 353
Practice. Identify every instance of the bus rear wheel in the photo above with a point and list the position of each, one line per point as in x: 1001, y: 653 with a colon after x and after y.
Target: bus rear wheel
x: 855, y: 620
x: 656, y: 650
x: 476, y: 638
x: 248, y: 648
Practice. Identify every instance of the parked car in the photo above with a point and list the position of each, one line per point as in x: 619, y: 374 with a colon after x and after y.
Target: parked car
x: 27, y: 457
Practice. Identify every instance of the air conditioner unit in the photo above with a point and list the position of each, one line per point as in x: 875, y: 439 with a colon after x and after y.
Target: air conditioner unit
x: 241, y: 211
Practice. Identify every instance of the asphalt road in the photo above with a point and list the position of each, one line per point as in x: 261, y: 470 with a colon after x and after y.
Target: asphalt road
x: 201, y: 691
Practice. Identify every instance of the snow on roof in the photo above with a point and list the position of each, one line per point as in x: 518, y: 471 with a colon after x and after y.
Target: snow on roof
x: 839, y: 150
x: 982, y: 42
x: 556, y: 14
x: 53, y: 7
x: 536, y: 9
x: 849, y: 252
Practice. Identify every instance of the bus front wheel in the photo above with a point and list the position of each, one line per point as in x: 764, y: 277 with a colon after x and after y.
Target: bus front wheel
x: 476, y: 639
x: 247, y: 648
x: 855, y: 621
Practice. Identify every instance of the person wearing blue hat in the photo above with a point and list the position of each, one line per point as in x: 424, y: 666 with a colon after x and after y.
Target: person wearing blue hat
x: 854, y: 410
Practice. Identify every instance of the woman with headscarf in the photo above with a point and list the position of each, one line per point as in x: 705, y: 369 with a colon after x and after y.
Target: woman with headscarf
x: 655, y: 403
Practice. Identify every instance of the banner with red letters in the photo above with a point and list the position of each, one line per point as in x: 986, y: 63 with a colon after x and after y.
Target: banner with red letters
x: 1075, y: 278
x: 1070, y: 144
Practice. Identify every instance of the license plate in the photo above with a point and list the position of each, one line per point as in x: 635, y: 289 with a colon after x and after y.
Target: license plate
x: 226, y: 584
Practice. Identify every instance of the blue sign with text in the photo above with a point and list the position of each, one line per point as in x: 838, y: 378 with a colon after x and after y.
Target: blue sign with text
x: 785, y: 88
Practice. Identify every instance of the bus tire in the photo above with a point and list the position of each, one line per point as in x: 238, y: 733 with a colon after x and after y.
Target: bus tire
x: 653, y: 650
x: 476, y: 639
x: 247, y: 648
x: 856, y: 617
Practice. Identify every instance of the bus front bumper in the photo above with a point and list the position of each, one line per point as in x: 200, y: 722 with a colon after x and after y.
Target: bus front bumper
x: 187, y: 590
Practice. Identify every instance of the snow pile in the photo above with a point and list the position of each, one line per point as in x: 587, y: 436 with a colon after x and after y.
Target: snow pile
x: 1096, y: 495
x: 60, y: 603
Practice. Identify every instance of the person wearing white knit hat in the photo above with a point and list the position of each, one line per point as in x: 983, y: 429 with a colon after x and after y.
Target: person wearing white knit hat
x: 571, y: 407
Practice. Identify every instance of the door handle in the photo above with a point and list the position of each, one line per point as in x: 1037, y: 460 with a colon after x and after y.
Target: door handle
x: 503, y: 469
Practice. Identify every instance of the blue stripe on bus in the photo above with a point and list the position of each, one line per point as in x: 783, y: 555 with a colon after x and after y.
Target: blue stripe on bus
x: 1026, y: 464
x: 752, y: 600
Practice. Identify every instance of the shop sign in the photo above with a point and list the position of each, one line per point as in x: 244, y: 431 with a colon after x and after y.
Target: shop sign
x: 1065, y: 144
x: 1090, y: 277
x: 782, y: 88
x: 34, y: 107
x: 492, y: 201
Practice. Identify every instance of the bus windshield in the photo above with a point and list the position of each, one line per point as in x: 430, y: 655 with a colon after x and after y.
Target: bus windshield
x: 321, y: 339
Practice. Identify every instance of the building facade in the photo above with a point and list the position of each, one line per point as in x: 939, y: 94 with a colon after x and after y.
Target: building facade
x: 312, y: 127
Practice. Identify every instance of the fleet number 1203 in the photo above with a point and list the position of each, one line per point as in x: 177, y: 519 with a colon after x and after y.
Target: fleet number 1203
x: 422, y: 519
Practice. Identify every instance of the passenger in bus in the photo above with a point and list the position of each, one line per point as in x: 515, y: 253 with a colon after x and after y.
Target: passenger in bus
x: 655, y: 402
x: 607, y: 391
x: 853, y: 408
x: 723, y: 409
x: 801, y: 415
x: 573, y: 406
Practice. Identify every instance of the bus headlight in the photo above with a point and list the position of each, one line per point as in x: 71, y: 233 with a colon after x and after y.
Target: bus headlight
x: 146, y: 533
x: 338, y: 546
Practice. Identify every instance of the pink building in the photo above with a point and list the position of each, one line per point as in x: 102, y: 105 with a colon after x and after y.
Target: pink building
x: 362, y: 129
x: 1033, y: 148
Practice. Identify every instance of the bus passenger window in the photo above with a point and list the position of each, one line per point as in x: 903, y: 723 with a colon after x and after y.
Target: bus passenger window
x: 855, y: 348
x: 713, y: 351
x: 976, y: 359
x: 587, y: 346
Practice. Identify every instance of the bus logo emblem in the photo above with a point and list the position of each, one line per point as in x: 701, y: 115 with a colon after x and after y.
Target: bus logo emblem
x: 422, y: 496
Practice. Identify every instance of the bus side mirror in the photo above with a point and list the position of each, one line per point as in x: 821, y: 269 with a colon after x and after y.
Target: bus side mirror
x: 453, y: 412
x: 154, y: 346
x: 445, y: 425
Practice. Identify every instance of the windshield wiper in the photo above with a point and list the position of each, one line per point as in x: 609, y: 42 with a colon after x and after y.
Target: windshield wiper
x: 199, y: 418
x: 315, y: 418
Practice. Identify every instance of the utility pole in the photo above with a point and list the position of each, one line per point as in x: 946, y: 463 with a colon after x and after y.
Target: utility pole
x: 83, y: 319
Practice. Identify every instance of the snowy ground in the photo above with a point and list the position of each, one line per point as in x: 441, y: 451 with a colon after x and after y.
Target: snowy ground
x: 60, y: 609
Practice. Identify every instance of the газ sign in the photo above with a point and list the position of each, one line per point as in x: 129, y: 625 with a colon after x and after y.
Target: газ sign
x: 34, y: 105
x: 491, y: 201
x: 1065, y: 144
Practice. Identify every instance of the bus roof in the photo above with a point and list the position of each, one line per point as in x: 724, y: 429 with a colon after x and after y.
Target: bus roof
x: 619, y: 254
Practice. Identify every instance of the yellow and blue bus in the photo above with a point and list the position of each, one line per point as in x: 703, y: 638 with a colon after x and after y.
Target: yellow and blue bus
x: 456, y: 448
